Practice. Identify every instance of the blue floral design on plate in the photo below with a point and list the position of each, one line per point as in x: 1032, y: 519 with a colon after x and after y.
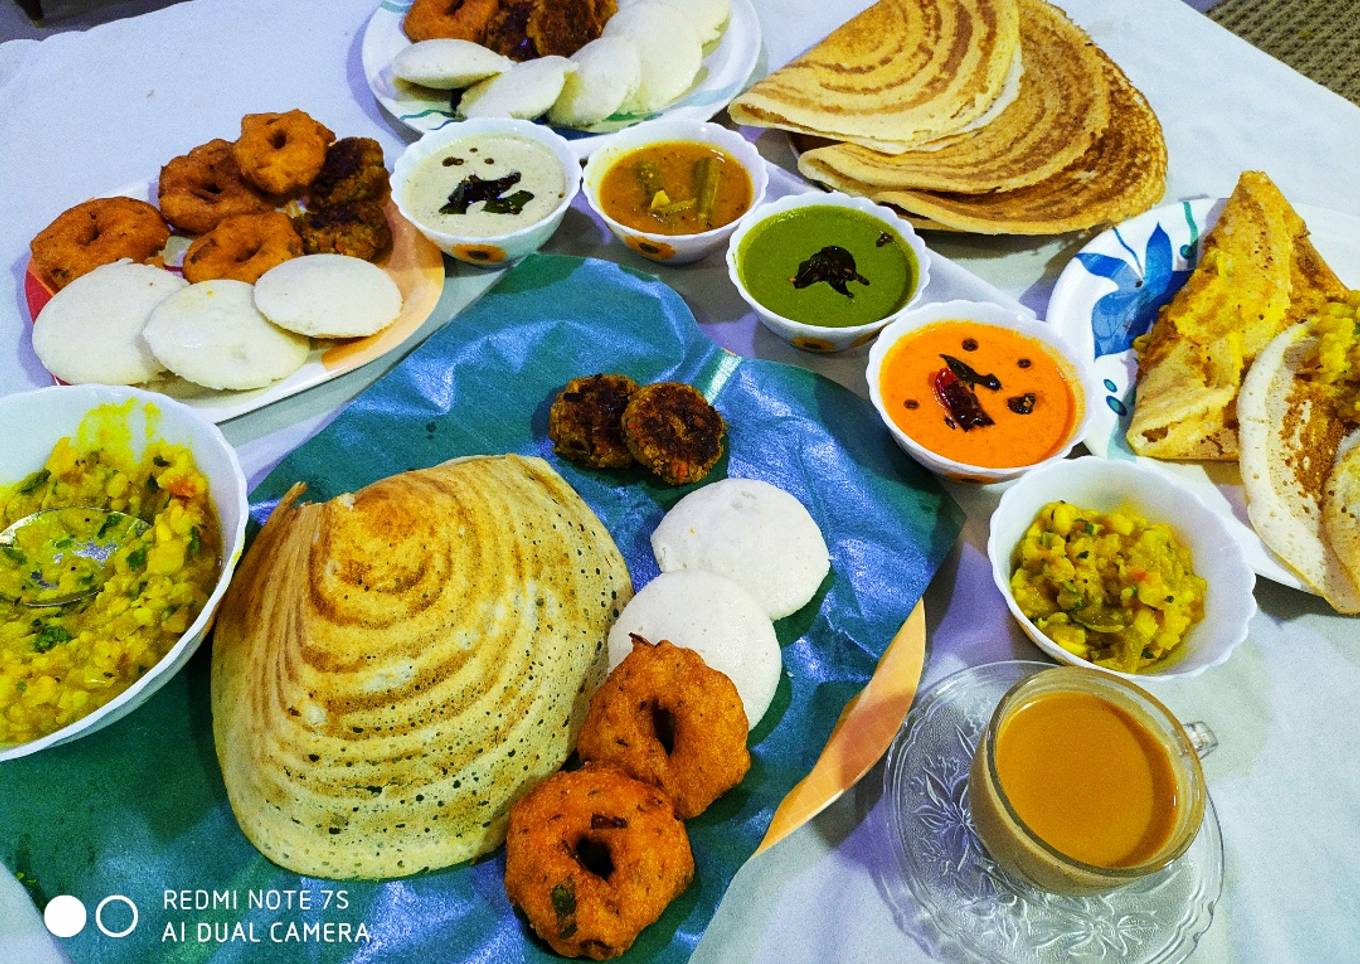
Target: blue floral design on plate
x: 1140, y: 289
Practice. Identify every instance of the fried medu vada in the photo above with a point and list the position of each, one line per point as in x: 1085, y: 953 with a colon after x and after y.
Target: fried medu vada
x: 199, y: 189
x: 585, y: 421
x: 281, y: 153
x: 669, y: 719
x: 592, y: 857
x: 563, y: 27
x: 507, y: 33
x: 672, y: 430
x: 94, y: 233
x: 359, y: 229
x: 354, y: 170
x: 242, y: 247
x: 449, y: 19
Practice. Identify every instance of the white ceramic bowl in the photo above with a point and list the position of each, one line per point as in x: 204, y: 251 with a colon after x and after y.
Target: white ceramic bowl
x: 489, y: 250
x: 988, y: 314
x: 816, y: 337
x: 1108, y: 485
x: 32, y: 422
x: 673, y: 248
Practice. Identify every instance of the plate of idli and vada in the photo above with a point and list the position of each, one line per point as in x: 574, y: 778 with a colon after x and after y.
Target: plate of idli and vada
x: 588, y: 68
x: 248, y: 271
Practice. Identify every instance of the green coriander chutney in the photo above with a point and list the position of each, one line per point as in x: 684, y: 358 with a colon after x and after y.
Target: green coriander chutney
x: 828, y: 266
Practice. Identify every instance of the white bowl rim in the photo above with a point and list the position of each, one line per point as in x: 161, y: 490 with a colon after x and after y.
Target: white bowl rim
x: 457, y: 131
x: 660, y: 130
x: 1235, y: 563
x: 789, y: 202
x: 998, y: 316
x: 199, y: 627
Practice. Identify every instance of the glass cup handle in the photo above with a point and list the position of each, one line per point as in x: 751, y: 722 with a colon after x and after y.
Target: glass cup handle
x: 1201, y: 738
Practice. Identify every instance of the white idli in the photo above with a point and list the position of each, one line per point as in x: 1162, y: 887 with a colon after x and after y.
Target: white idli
x: 91, y: 330
x: 607, y: 73
x: 211, y: 334
x: 707, y: 17
x: 718, y: 620
x: 328, y: 296
x: 525, y: 91
x: 751, y: 532
x: 448, y: 64
x: 669, y: 52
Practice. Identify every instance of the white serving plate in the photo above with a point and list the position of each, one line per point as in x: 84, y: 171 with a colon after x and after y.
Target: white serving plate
x: 1110, y: 292
x: 727, y: 67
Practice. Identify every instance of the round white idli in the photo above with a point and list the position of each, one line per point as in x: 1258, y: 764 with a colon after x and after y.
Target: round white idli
x: 751, y: 532
x: 448, y: 64
x: 525, y: 91
x: 91, y: 330
x: 328, y: 296
x: 707, y: 17
x: 607, y: 73
x: 718, y: 620
x: 669, y: 52
x: 211, y: 334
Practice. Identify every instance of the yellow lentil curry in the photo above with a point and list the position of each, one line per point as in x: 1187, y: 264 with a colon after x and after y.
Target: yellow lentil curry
x: 59, y: 663
x: 1109, y: 587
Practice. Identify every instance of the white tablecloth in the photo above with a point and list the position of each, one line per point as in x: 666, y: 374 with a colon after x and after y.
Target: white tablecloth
x: 81, y: 114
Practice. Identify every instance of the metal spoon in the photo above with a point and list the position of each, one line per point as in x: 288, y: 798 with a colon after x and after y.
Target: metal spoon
x: 112, y: 531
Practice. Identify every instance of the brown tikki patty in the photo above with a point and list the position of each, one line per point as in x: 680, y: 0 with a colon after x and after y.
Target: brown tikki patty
x: 672, y: 430
x: 508, y: 31
x: 585, y: 422
x: 359, y: 230
x: 354, y: 170
x: 563, y: 27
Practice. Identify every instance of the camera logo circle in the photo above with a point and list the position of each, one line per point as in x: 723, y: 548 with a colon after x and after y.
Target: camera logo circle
x: 64, y: 916
x: 99, y: 916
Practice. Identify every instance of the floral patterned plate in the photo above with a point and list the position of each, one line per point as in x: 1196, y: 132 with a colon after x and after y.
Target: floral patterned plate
x: 967, y: 907
x: 1110, y: 294
x: 727, y: 66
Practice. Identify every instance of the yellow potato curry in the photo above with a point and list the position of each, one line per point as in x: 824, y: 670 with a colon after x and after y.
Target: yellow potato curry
x: 1110, y: 587
x: 59, y: 663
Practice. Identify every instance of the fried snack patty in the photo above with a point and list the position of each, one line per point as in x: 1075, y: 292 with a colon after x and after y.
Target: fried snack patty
x: 507, y: 32
x: 359, y: 230
x: 563, y: 27
x: 672, y: 430
x: 592, y: 857
x: 449, y: 19
x: 96, y: 232
x: 281, y: 153
x: 669, y: 719
x: 585, y: 422
x: 199, y: 189
x: 354, y: 170
x: 242, y: 247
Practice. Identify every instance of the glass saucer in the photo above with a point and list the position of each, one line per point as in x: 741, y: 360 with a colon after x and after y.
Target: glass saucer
x: 964, y: 906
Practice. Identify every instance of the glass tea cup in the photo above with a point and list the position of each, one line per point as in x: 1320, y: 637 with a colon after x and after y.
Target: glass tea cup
x: 1020, y: 851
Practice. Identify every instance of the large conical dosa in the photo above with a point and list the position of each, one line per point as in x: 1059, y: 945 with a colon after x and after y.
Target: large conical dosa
x: 392, y: 669
x: 901, y: 73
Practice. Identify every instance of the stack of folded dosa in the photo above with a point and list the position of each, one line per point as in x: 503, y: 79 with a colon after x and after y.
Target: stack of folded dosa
x: 1258, y: 274
x: 392, y: 669
x: 1075, y: 147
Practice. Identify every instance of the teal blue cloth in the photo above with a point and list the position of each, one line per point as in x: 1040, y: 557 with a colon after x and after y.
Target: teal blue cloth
x: 140, y: 808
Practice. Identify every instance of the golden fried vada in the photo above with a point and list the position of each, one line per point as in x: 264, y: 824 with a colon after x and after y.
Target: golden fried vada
x: 672, y: 430
x: 585, y: 421
x: 242, y: 247
x: 669, y: 719
x: 592, y: 857
x: 359, y: 229
x: 563, y: 27
x: 199, y: 189
x: 354, y: 170
x: 281, y: 153
x: 94, y: 233
x: 449, y: 19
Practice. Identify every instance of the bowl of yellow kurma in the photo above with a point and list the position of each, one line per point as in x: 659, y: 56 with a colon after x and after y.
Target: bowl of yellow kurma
x: 87, y: 638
